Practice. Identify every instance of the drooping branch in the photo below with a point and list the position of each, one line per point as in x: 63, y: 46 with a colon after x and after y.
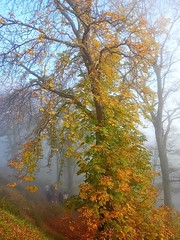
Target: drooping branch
x: 61, y: 93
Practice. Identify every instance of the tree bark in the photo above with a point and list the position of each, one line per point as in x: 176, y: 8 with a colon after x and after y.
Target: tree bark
x: 164, y: 167
x: 160, y: 134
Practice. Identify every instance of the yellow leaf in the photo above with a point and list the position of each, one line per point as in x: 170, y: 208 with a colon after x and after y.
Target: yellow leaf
x: 29, y: 178
x: 32, y: 188
x: 12, y: 185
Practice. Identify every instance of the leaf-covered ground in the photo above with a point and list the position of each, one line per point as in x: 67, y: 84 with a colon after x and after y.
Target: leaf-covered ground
x: 26, y: 216
x: 12, y: 228
x: 23, y: 215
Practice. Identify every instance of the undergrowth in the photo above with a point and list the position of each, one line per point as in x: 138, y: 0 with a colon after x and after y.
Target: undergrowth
x: 25, y: 217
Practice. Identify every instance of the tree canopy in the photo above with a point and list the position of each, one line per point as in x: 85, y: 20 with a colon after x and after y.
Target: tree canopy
x: 75, y: 57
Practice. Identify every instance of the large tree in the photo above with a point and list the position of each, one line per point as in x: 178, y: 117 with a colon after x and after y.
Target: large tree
x: 75, y: 57
x: 163, y: 81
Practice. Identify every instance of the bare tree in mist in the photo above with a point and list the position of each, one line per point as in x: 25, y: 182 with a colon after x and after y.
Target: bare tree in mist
x: 18, y: 117
x: 160, y: 106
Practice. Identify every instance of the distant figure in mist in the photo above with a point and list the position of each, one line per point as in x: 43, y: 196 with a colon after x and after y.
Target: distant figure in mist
x: 55, y: 196
x: 65, y: 195
x: 54, y: 193
x: 51, y: 193
x: 48, y: 194
x: 61, y: 198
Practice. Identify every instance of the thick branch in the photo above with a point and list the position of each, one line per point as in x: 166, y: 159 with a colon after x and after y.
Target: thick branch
x: 63, y: 94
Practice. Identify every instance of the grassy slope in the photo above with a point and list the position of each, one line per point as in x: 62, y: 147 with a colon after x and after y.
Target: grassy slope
x: 23, y: 215
x: 12, y: 228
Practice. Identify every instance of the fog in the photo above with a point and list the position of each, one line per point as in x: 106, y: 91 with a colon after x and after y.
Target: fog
x: 11, y: 140
x: 69, y: 181
x: 4, y: 156
x: 173, y: 160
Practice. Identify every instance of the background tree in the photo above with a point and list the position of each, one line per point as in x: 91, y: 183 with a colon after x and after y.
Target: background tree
x: 163, y: 82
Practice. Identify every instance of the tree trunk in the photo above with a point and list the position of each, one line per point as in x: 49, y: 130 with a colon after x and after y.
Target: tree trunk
x: 161, y: 137
x: 70, y: 176
x: 164, y: 167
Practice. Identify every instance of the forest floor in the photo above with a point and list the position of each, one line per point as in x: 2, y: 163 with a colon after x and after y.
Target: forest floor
x: 29, y: 216
x: 24, y: 210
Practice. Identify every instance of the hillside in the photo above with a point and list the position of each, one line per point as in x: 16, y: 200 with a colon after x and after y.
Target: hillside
x: 12, y: 228
x: 25, y: 215
x: 28, y: 216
